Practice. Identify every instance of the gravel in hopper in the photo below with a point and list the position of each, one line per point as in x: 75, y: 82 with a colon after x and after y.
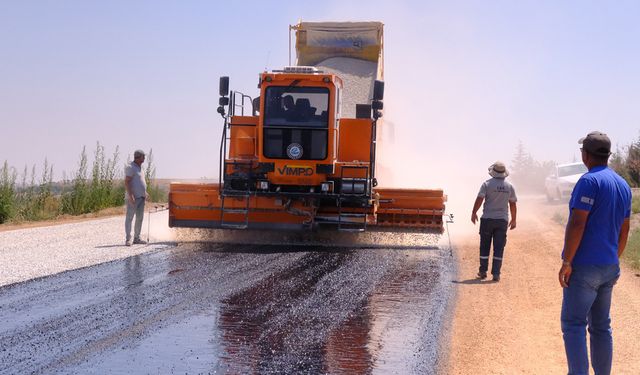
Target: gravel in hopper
x: 358, y: 77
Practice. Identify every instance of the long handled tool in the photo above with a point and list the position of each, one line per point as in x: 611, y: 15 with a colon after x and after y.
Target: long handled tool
x: 448, y: 221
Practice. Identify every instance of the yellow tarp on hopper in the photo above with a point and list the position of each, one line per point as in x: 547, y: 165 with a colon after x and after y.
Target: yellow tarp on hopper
x: 318, y: 41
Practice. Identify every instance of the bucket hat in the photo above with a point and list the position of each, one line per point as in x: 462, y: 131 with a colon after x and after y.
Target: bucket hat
x: 498, y: 170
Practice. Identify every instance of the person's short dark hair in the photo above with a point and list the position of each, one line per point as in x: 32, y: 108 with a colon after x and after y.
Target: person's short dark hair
x: 599, y: 159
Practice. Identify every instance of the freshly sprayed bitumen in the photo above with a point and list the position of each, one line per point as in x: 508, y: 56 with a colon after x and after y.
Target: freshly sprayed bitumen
x: 204, y: 308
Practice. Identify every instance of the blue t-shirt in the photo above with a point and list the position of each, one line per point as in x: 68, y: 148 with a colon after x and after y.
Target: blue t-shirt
x: 607, y: 197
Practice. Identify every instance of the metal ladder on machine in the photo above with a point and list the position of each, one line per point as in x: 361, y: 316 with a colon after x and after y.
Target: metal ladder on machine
x: 243, y: 194
x: 345, y: 219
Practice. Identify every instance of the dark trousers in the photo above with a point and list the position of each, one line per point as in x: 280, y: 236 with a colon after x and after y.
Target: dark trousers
x: 492, y: 230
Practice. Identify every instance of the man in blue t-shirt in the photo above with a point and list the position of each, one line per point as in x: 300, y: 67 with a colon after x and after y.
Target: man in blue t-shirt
x: 595, y: 238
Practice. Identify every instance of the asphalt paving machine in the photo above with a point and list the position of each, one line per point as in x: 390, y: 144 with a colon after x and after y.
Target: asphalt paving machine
x: 301, y: 156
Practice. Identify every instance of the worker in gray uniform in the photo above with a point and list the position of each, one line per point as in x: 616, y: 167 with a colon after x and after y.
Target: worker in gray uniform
x: 136, y: 195
x: 499, y: 198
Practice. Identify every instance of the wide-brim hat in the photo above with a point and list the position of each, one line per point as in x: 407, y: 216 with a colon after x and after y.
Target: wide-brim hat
x: 498, y: 169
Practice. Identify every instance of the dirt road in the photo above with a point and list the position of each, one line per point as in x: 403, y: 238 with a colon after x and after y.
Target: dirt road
x: 513, y: 327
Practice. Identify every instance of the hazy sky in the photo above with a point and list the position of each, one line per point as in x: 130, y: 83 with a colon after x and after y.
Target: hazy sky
x: 465, y: 81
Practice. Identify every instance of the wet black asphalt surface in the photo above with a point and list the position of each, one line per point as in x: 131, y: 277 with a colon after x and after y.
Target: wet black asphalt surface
x: 207, y: 308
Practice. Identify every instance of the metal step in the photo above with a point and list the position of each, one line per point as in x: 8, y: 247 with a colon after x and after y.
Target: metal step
x: 236, y: 194
x: 341, y: 229
x: 234, y: 225
x: 345, y: 224
x: 242, y: 195
x: 235, y: 211
x: 352, y: 215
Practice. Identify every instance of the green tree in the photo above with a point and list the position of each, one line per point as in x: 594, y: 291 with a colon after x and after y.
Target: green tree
x: 527, y: 173
x: 521, y: 163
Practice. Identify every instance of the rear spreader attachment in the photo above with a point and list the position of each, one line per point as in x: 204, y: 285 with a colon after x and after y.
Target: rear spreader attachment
x: 205, y: 206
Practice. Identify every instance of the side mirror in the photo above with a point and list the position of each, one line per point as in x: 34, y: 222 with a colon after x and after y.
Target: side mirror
x: 223, y: 101
x: 378, y: 90
x: 224, y: 86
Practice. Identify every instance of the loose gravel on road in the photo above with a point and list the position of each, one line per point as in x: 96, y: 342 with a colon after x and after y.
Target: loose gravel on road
x: 35, y: 252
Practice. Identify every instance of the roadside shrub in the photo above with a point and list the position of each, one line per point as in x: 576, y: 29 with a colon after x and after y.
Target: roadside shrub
x: 626, y: 162
x: 104, y: 192
x: 156, y: 193
x: 632, y: 252
x: 33, y: 200
x: 7, y: 192
x: 105, y: 188
x: 47, y: 206
x: 76, y: 201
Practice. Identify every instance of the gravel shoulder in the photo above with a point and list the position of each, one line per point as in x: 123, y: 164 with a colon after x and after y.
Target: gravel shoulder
x: 513, y: 327
x: 32, y: 252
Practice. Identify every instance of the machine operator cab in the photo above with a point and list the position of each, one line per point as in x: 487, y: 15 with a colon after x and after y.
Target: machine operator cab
x: 297, y: 130
x: 297, y: 136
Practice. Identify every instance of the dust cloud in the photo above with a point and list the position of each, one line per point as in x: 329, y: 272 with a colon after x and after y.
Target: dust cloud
x: 434, y: 162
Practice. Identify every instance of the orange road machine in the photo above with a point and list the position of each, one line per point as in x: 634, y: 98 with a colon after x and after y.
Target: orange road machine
x: 301, y: 156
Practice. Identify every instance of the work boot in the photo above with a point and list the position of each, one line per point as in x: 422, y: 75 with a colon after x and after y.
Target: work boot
x: 138, y: 241
x: 482, y: 275
x: 496, y: 278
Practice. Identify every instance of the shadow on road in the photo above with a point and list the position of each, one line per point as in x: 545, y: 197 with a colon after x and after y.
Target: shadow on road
x: 473, y: 281
x: 167, y: 243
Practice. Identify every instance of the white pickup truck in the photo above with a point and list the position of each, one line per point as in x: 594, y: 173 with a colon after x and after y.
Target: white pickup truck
x: 559, y: 184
